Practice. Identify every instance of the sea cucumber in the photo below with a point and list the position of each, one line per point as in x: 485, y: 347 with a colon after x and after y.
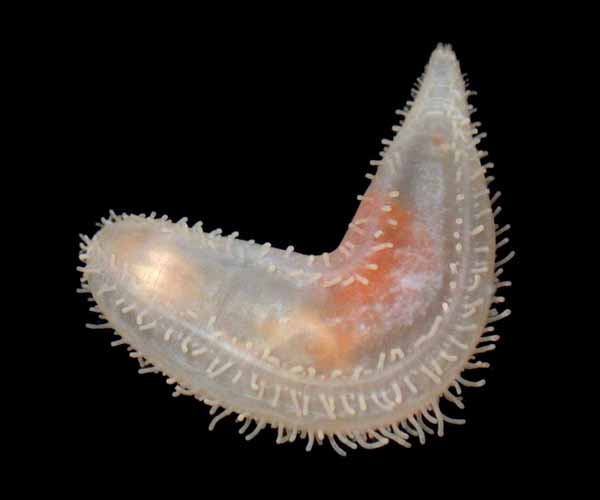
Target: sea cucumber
x: 357, y: 347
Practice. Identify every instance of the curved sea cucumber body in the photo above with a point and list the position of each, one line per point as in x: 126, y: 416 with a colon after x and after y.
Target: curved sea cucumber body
x: 357, y: 346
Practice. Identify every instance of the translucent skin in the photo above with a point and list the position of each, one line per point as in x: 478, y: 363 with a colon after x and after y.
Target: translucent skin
x: 347, y: 344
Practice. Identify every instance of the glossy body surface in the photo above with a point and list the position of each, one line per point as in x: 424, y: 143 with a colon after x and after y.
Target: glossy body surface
x: 356, y: 347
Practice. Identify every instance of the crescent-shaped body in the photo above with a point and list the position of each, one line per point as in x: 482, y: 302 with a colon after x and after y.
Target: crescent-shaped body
x: 356, y: 347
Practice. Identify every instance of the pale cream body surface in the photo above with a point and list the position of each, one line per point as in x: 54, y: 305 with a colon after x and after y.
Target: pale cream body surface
x: 356, y: 347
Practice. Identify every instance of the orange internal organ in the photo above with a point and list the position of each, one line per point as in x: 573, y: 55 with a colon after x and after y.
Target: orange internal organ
x: 360, y: 309
x: 400, y: 235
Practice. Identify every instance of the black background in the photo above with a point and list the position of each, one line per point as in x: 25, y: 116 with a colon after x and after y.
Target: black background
x: 270, y: 134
